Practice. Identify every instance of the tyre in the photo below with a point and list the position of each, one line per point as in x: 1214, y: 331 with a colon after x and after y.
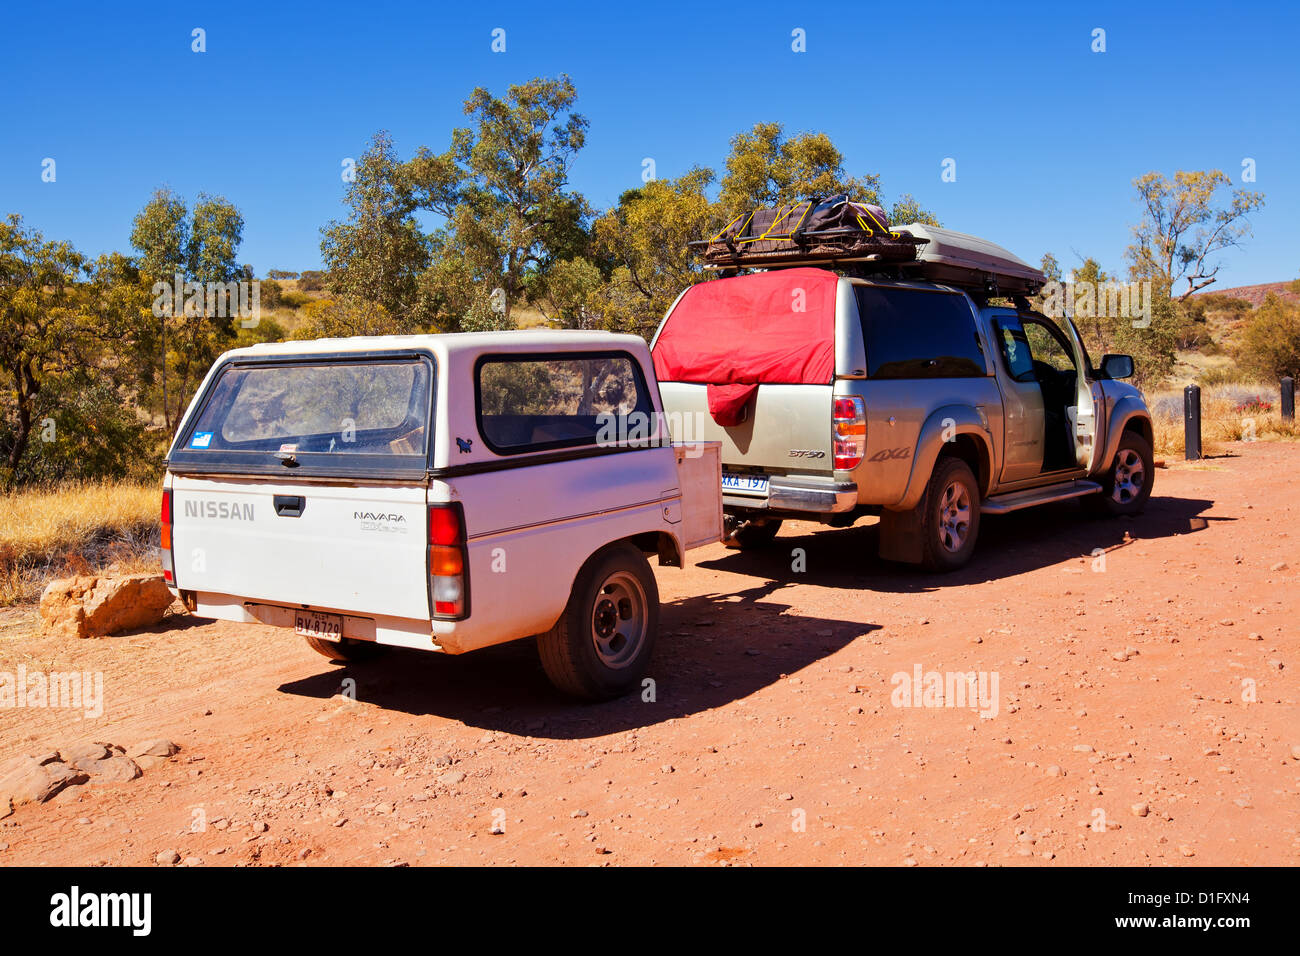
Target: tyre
x: 749, y: 535
x: 950, y: 516
x: 601, y: 645
x: 1126, y: 486
x: 345, y: 651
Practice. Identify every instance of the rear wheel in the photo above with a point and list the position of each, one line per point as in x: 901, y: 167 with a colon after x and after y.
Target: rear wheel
x: 749, y: 535
x: 601, y: 645
x: 345, y: 651
x: 950, y: 517
x: 1126, y: 487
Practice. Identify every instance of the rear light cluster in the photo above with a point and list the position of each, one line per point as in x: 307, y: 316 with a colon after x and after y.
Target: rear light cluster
x: 165, y: 540
x: 448, y: 574
x: 849, y: 431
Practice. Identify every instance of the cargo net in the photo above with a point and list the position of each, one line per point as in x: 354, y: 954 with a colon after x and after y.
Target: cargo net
x: 813, y: 230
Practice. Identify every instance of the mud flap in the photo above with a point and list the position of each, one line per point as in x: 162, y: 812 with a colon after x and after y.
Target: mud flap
x: 900, y: 534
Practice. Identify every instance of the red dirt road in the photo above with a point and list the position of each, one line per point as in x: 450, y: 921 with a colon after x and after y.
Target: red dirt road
x: 1158, y: 678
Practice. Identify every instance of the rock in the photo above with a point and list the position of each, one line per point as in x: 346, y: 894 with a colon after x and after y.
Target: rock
x: 168, y: 858
x: 84, y: 752
x: 1054, y: 771
x: 98, y: 606
x: 259, y: 826
x: 451, y: 779
x: 193, y: 861
x: 34, y: 783
x: 1140, y: 809
x: 114, y: 769
x: 154, y: 748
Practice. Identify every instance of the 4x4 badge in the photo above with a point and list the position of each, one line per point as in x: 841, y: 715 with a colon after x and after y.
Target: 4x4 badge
x: 892, y: 454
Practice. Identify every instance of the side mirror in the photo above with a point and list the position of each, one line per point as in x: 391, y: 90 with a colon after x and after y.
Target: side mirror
x: 1117, y: 366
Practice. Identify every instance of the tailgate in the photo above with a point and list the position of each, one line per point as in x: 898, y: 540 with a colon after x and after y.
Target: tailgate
x: 358, y: 548
x: 787, y: 428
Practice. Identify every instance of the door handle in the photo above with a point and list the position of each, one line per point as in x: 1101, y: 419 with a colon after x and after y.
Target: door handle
x: 289, y: 506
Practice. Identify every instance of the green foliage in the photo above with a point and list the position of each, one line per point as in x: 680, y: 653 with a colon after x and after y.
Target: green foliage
x: 377, y: 254
x: 68, y: 329
x: 328, y: 318
x: 767, y: 169
x: 281, y: 274
x: 1184, y: 226
x: 310, y: 280
x: 200, y: 246
x: 1269, y: 345
x: 290, y: 299
x: 643, y: 244
x: 86, y: 431
x: 271, y: 293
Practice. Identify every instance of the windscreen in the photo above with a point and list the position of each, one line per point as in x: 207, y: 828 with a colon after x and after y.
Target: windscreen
x: 330, y: 416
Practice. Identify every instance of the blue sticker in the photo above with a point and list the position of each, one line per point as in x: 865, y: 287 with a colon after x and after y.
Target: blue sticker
x: 201, y: 440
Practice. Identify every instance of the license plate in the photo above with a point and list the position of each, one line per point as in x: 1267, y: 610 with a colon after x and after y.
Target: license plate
x: 312, y: 624
x: 745, y: 484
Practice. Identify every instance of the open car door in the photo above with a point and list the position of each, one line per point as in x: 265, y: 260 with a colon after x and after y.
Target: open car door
x: 1089, y: 416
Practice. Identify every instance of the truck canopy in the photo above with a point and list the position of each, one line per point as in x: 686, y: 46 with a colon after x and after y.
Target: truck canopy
x: 336, y: 416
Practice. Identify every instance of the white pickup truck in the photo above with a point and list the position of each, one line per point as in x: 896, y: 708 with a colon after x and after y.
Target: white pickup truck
x: 442, y: 492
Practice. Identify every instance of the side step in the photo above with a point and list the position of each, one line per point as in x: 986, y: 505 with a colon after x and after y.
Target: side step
x: 1001, y: 504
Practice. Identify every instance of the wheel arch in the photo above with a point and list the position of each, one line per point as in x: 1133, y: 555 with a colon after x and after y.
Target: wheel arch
x: 954, y: 430
x: 1129, y: 414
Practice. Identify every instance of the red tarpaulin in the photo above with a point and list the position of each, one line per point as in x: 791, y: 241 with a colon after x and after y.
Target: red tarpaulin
x: 736, y: 334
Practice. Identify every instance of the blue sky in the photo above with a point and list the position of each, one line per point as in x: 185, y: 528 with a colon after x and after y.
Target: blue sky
x: 1046, y: 134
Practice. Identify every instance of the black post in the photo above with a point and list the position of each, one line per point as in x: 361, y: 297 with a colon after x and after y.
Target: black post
x: 1192, y: 422
x: 1288, y: 398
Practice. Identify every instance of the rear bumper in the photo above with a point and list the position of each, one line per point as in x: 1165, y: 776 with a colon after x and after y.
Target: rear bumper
x: 796, y: 493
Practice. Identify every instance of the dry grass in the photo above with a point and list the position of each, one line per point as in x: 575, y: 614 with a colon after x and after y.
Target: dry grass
x: 75, y: 529
x: 1228, y: 413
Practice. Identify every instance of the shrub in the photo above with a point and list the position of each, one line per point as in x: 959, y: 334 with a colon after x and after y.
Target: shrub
x: 311, y: 281
x: 1269, y: 344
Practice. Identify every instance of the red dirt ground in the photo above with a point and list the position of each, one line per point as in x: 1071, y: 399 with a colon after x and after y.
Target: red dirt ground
x: 773, y: 709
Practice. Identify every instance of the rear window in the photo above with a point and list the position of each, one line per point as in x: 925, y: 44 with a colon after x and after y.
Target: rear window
x: 321, y: 416
x: 912, y: 333
x: 533, y: 403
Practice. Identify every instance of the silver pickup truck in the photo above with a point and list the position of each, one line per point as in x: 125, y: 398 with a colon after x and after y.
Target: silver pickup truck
x: 908, y: 398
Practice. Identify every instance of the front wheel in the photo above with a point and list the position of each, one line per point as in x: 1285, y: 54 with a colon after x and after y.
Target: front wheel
x: 601, y: 645
x: 1126, y: 487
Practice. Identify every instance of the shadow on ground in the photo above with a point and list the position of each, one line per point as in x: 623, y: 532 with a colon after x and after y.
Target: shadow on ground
x: 1008, y: 545
x: 713, y: 649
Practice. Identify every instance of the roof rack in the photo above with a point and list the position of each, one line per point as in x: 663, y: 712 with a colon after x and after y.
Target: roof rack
x: 812, y: 231
x: 857, y: 239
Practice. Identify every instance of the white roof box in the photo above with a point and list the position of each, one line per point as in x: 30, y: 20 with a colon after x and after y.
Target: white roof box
x: 969, y: 261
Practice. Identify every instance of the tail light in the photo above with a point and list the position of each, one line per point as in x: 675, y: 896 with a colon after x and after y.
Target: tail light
x: 448, y: 565
x: 165, y: 538
x: 849, y: 431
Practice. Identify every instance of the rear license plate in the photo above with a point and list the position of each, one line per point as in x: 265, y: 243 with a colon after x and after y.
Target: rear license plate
x: 312, y: 624
x: 745, y: 484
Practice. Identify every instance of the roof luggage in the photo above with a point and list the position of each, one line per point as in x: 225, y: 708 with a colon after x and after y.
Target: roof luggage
x: 806, y: 232
x: 857, y: 239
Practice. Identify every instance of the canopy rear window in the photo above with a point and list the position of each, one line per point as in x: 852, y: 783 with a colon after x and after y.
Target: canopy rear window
x: 346, y: 417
